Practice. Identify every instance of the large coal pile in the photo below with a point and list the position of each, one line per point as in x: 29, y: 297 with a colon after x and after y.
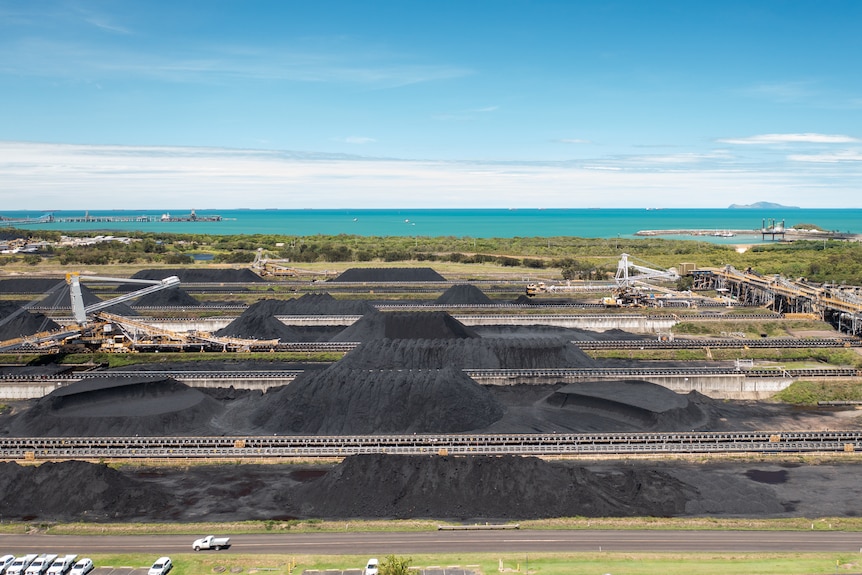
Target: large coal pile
x: 406, y: 325
x: 61, y: 300
x: 189, y: 275
x: 345, y: 401
x: 147, y: 406
x: 389, y: 275
x: 75, y: 490
x: 463, y: 294
x: 172, y: 297
x: 18, y: 322
x: 30, y: 285
x: 486, y: 487
x: 535, y: 353
x: 323, y: 304
x: 258, y: 320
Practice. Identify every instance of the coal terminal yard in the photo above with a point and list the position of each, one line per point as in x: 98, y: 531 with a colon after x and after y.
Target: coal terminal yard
x: 465, y: 404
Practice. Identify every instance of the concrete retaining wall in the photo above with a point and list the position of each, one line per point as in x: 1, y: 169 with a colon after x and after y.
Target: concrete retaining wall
x: 731, y: 386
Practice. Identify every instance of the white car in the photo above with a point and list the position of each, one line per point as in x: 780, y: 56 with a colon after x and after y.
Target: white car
x: 41, y: 564
x: 61, y: 565
x: 5, y: 561
x: 82, y: 567
x: 161, y: 566
x: 372, y: 567
x: 18, y: 566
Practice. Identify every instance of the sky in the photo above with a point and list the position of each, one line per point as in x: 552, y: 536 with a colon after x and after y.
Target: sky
x: 207, y: 104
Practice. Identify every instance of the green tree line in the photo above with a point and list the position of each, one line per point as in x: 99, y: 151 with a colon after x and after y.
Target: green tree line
x: 567, y: 257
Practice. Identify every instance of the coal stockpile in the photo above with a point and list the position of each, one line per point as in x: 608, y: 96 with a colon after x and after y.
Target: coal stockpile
x: 146, y: 406
x: 637, y: 405
x: 30, y: 285
x: 342, y: 401
x: 405, y: 325
x: 486, y: 488
x: 535, y: 353
x: 258, y: 320
x: 199, y: 276
x: 463, y: 294
x: 17, y: 322
x: 75, y: 490
x: 173, y: 297
x: 323, y: 304
x: 61, y: 300
x: 389, y: 275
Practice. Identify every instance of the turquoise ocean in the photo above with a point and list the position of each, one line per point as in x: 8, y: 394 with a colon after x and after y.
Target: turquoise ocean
x: 476, y: 223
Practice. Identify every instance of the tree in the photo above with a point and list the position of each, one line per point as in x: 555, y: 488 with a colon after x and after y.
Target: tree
x: 393, y: 565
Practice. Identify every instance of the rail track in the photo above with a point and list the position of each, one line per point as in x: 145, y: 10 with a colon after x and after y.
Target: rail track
x: 539, y: 444
x: 562, y: 373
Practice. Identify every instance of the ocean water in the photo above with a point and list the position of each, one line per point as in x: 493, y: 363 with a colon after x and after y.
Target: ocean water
x: 476, y: 223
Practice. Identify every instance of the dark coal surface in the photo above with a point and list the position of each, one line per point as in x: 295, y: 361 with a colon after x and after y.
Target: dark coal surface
x: 324, y: 304
x: 524, y: 353
x: 259, y: 319
x: 343, y: 401
x: 389, y: 275
x: 463, y: 294
x: 76, y: 491
x: 173, y: 297
x: 18, y: 322
x: 30, y: 285
x: 188, y: 275
x: 146, y: 406
x: 480, y: 487
x: 406, y: 325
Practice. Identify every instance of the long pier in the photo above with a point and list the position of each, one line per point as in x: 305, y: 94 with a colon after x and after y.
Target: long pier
x: 87, y: 218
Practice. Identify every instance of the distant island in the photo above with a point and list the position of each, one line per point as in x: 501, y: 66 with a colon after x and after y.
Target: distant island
x: 762, y: 206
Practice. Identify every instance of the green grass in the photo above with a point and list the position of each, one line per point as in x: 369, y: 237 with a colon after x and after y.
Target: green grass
x: 811, y: 392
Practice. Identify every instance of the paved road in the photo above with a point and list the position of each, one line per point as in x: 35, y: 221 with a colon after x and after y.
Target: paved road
x: 452, y: 542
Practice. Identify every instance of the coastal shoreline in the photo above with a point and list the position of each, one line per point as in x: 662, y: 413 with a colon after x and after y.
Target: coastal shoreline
x: 788, y: 234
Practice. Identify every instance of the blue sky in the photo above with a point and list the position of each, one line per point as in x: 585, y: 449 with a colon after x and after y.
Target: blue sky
x: 484, y: 103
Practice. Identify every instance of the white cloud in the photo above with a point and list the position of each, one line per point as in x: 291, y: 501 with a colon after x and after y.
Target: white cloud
x: 828, y: 158
x: 77, y: 177
x: 573, y: 141
x: 807, y: 138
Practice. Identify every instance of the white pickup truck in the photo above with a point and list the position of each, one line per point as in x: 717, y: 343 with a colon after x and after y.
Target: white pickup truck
x: 211, y: 542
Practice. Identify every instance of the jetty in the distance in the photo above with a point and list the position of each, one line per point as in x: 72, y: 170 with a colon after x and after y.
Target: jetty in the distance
x: 87, y: 218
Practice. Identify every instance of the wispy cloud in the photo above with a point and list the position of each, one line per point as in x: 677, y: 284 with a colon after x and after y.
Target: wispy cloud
x: 782, y: 92
x: 808, y: 138
x: 356, y: 140
x: 54, y: 176
x: 573, y: 141
x: 828, y: 158
x: 34, y: 56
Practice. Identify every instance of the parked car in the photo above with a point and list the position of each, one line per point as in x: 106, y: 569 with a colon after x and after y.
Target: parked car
x: 82, y: 567
x: 372, y: 568
x: 41, y: 564
x: 61, y: 565
x: 5, y: 561
x: 20, y: 564
x: 161, y: 567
